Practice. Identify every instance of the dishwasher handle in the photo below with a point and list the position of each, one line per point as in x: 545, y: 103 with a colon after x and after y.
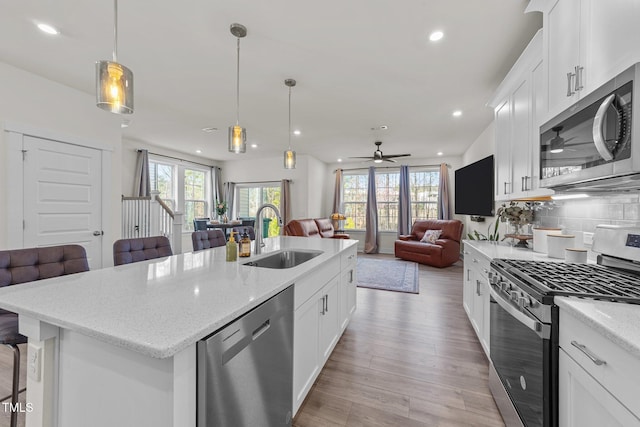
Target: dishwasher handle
x: 261, y: 329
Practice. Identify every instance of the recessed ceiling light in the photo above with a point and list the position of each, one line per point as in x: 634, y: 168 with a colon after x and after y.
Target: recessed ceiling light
x: 46, y: 28
x: 254, y: 145
x: 209, y: 129
x: 457, y: 113
x: 198, y: 151
x: 339, y: 160
x: 384, y: 127
x: 436, y: 35
x: 296, y: 132
x: 440, y: 153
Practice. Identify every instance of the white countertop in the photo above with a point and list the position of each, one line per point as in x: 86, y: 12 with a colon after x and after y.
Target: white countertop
x: 504, y: 250
x: 616, y: 321
x: 160, y: 307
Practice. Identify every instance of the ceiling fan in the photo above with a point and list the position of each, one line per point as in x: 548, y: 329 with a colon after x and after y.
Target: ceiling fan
x: 378, y: 157
x: 558, y: 144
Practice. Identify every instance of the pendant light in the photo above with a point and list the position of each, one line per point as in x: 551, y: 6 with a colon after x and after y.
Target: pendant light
x: 238, y: 134
x: 114, y: 82
x: 290, y: 155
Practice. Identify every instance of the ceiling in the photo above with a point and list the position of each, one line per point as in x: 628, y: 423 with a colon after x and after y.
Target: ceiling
x: 359, y: 64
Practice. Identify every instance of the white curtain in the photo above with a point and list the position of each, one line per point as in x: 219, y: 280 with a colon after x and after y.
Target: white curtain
x: 444, y: 206
x: 285, y: 203
x: 404, y: 202
x: 142, y: 182
x: 371, y: 238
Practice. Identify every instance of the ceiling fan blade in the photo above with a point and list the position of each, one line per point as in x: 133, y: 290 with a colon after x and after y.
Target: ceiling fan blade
x: 362, y: 157
x: 387, y: 159
x: 388, y: 156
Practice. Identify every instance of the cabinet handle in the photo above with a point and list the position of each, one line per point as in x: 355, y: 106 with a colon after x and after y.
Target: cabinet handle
x: 583, y: 348
x: 326, y: 299
x: 522, y: 184
x: 478, y: 287
x: 350, y: 276
x: 527, y: 187
x: 323, y: 305
x: 578, y: 75
x: 569, y: 77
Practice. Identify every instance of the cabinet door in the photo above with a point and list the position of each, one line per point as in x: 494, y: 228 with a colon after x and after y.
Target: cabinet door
x: 538, y: 111
x: 329, y: 319
x: 583, y: 402
x: 521, y: 139
x: 504, y: 181
x: 563, y: 52
x: 347, y: 296
x: 609, y: 38
x: 306, y: 349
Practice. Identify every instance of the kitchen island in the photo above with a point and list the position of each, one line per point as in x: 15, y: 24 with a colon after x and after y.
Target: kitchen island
x: 117, y: 346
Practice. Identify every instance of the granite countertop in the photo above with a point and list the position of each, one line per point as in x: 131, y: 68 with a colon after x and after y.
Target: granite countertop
x: 504, y: 250
x: 617, y: 321
x: 160, y: 307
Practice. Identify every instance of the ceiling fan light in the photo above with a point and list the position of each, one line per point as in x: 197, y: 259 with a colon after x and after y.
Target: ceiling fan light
x: 237, y: 139
x: 289, y: 159
x: 377, y: 161
x: 114, y: 87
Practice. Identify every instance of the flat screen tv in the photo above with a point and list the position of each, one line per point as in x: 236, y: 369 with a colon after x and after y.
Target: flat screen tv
x: 474, y: 188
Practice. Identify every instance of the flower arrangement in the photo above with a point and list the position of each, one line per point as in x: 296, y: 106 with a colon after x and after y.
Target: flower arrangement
x: 515, y: 214
x: 221, y: 207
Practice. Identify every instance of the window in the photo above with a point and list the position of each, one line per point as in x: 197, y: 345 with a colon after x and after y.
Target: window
x: 249, y: 197
x: 423, y: 188
x: 183, y: 188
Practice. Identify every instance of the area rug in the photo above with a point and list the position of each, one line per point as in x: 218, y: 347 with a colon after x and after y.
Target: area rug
x: 388, y: 275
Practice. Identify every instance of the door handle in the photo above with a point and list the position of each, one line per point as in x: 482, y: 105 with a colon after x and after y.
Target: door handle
x: 569, y: 85
x: 598, y: 128
x: 98, y: 233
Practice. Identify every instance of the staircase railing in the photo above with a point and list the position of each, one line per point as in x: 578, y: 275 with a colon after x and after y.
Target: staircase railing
x: 151, y: 216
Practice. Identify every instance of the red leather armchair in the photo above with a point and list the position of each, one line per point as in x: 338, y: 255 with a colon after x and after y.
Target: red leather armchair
x: 319, y: 227
x: 442, y: 253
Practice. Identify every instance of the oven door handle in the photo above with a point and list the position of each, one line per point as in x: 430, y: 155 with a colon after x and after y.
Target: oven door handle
x: 543, y: 331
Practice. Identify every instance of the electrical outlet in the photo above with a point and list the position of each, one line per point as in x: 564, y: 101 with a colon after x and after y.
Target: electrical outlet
x: 587, y: 238
x: 34, y: 361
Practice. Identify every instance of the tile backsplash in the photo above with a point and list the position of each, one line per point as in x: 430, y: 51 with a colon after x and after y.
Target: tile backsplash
x: 585, y: 214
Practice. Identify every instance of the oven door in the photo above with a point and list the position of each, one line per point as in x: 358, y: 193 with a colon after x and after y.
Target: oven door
x: 522, y: 354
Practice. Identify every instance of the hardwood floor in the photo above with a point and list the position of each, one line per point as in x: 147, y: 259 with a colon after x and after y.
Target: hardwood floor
x: 405, y: 360
x: 6, y: 372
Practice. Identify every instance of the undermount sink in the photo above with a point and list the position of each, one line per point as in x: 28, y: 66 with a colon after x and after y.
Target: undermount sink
x: 284, y: 259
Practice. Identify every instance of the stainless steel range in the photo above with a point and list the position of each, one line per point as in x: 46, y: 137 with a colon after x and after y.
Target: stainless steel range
x: 524, y: 319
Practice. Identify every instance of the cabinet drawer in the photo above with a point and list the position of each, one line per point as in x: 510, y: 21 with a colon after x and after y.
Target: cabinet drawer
x: 348, y: 257
x: 611, y: 365
x: 477, y: 261
x: 314, y: 281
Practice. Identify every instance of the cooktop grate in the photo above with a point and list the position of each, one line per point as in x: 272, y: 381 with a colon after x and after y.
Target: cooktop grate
x: 585, y: 280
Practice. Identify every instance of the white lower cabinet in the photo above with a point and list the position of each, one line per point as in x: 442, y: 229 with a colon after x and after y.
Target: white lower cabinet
x: 323, y: 310
x: 475, y: 293
x: 584, y: 402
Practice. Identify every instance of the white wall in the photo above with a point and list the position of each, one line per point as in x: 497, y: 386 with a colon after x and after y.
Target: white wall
x: 30, y: 101
x: 388, y: 238
x: 306, y: 198
x: 482, y: 147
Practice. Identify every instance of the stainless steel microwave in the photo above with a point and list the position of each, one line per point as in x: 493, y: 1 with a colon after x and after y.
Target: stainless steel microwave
x: 594, y: 144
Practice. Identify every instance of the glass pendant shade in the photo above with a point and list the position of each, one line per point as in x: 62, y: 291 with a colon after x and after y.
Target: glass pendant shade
x: 237, y: 139
x: 114, y: 87
x: 289, y: 159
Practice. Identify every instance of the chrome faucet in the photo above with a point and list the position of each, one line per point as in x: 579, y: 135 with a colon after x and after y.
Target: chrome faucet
x: 259, y: 244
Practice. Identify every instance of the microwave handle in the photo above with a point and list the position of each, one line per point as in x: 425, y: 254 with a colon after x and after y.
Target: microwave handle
x: 598, y: 125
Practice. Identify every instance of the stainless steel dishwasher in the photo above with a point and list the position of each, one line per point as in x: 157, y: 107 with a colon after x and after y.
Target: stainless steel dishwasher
x: 245, y: 370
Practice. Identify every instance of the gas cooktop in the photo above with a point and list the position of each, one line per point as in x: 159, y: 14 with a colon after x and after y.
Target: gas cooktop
x: 583, y: 280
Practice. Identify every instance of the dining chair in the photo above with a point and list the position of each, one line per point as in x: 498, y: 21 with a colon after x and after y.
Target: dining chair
x: 127, y: 251
x: 26, y: 265
x: 200, y: 224
x: 208, y: 239
x: 250, y: 231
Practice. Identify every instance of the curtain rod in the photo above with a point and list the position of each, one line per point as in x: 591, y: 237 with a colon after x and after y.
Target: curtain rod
x: 394, y: 167
x: 262, y: 182
x: 178, y: 158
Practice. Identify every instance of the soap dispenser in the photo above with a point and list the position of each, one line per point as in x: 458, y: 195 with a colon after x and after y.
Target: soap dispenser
x: 232, y: 248
x: 245, y: 244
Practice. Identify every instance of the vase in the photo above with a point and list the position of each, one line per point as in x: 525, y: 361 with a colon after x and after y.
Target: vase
x: 225, y: 219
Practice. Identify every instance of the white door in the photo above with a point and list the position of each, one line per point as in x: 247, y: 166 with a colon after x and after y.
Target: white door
x: 62, y: 196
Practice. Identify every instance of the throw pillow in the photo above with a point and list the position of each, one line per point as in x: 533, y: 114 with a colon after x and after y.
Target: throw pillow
x: 430, y: 236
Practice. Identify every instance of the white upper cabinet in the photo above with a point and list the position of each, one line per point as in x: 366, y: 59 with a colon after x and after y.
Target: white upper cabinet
x: 587, y: 42
x: 518, y: 103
